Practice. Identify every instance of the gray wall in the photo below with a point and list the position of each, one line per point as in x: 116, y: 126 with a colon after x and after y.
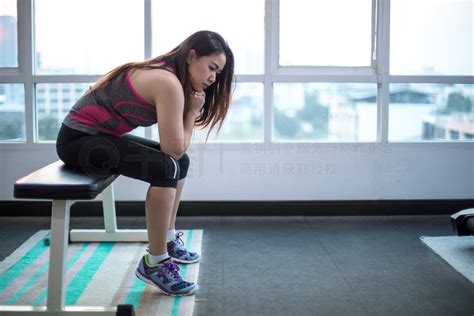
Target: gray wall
x: 293, y: 171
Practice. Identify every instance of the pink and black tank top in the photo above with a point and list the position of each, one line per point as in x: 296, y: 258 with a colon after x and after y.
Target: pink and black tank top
x: 114, y: 109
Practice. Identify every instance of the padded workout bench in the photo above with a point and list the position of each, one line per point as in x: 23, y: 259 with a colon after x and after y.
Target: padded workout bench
x: 65, y: 185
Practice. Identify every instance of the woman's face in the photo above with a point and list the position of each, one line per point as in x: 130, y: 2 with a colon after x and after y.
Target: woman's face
x: 203, y: 70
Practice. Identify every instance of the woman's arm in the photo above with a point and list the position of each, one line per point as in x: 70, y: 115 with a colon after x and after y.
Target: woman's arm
x: 175, y: 126
x: 189, y: 119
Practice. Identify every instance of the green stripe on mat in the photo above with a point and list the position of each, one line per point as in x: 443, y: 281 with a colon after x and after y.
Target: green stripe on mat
x: 24, y: 263
x: 30, y: 283
x: 70, y: 263
x: 25, y: 288
x: 135, y: 293
x: 83, y: 277
x: 138, y: 287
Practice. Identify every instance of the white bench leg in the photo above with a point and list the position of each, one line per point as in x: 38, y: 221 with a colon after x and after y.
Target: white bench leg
x: 108, y: 205
x: 58, y: 254
x: 111, y: 233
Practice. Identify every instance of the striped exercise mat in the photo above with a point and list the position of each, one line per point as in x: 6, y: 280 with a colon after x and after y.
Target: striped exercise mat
x: 98, y: 274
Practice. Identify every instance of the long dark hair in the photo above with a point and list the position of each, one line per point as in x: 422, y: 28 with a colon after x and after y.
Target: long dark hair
x: 218, y: 95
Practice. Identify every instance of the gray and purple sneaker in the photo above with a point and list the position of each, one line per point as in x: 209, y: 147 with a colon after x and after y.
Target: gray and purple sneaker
x: 164, y: 277
x: 178, y: 252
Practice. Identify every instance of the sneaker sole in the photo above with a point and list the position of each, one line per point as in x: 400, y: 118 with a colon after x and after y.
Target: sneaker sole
x: 184, y: 261
x: 146, y: 280
x: 178, y: 260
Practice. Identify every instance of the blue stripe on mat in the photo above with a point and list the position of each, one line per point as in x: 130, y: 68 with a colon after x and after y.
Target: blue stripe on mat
x: 24, y: 263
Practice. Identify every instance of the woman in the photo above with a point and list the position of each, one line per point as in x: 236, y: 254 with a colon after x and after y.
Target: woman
x: 185, y: 88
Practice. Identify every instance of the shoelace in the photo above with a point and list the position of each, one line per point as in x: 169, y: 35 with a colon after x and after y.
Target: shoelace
x: 174, y: 269
x: 179, y: 240
x: 180, y: 244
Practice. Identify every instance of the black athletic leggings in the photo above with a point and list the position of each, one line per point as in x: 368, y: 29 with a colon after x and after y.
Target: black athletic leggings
x: 132, y: 156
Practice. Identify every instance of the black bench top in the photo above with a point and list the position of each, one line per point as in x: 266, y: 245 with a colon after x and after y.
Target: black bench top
x: 60, y: 182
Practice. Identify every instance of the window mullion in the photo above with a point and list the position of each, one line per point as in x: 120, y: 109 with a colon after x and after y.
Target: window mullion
x: 373, y: 41
x: 325, y: 78
x: 271, y: 53
x: 65, y: 78
x: 148, y: 47
x: 11, y: 75
x: 326, y: 71
x: 433, y: 79
x: 25, y: 63
x: 382, y: 69
x: 148, y: 29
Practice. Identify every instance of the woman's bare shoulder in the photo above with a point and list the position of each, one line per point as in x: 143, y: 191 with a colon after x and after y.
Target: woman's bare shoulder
x: 154, y: 84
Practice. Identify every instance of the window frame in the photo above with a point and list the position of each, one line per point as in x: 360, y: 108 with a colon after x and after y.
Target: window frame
x: 377, y: 73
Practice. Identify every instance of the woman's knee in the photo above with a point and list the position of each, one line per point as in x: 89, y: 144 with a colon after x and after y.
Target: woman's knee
x: 183, y: 162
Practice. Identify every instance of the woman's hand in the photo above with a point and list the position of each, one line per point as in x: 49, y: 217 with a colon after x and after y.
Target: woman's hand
x: 197, y: 101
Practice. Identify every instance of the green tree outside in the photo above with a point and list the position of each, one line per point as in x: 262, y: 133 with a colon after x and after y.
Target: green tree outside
x: 11, y: 130
x: 48, y: 128
x: 312, y: 112
x: 457, y: 102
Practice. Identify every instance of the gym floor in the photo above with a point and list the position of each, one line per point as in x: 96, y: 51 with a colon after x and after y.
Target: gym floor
x: 371, y: 265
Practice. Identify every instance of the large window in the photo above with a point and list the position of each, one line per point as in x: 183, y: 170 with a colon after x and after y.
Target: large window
x: 325, y: 33
x: 87, y: 36
x: 432, y: 37
x: 12, y: 113
x: 324, y: 112
x: 245, y: 118
x: 53, y: 101
x: 431, y: 112
x: 325, y: 37
x: 306, y: 71
x: 243, y: 122
x: 431, y: 46
x: 8, y: 34
x: 12, y: 96
x: 239, y: 22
